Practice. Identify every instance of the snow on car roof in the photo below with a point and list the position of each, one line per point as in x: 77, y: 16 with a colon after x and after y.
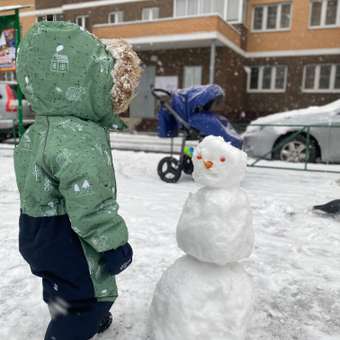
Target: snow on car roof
x: 314, y: 111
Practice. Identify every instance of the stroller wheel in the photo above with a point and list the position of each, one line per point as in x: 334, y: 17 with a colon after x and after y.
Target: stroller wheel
x: 169, y: 170
x: 188, y: 167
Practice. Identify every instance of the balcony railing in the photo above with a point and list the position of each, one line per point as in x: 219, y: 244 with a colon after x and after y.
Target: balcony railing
x: 199, y: 26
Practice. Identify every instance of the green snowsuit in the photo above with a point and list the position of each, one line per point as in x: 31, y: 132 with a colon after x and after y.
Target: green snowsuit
x: 63, y: 164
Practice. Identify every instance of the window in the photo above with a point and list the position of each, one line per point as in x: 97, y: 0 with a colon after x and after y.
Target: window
x: 321, y: 78
x: 82, y: 21
x: 181, y: 8
x: 309, y: 77
x: 233, y: 9
x: 116, y: 17
x: 272, y: 17
x: 258, y: 18
x: 254, y: 78
x: 337, y: 77
x: 192, y: 76
x: 267, y: 78
x: 285, y: 15
x: 280, y: 78
x: 212, y: 7
x: 206, y: 6
x: 325, y: 77
x: 325, y: 13
x: 151, y: 13
x: 51, y: 17
x: 8, y: 76
x: 230, y: 10
x: 192, y: 8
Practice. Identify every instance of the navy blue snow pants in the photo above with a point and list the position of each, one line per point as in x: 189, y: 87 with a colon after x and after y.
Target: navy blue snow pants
x: 80, y: 323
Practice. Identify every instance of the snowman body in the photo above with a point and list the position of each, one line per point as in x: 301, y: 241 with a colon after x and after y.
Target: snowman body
x: 206, y: 294
x: 200, y: 301
x: 215, y: 226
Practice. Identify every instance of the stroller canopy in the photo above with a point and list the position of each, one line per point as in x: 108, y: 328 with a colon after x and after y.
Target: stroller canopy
x: 193, y: 99
x: 193, y: 106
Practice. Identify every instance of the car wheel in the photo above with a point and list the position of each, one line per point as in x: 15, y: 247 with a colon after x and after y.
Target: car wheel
x: 295, y: 150
x: 169, y: 170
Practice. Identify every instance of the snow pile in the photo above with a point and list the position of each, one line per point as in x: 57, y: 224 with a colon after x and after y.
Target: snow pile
x: 208, y: 295
x: 295, y: 265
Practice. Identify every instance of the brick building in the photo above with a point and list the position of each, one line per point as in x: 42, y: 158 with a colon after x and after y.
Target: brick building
x: 268, y: 55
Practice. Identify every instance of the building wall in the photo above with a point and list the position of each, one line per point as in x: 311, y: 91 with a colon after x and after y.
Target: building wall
x: 230, y: 66
x: 172, y: 62
x: 27, y: 23
x: 230, y: 74
x: 41, y: 4
x: 299, y: 37
x: 132, y: 11
x: 258, y: 104
x: 169, y: 27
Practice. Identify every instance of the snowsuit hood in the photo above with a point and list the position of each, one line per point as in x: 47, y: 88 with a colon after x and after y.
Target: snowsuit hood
x: 65, y: 71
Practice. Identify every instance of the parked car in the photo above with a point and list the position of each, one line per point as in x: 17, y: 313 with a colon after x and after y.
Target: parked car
x: 9, y: 111
x: 272, y: 142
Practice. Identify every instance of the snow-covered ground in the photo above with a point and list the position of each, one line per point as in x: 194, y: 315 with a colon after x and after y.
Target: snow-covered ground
x: 295, y: 264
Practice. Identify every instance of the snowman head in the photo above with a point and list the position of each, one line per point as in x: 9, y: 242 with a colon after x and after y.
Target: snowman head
x: 218, y: 164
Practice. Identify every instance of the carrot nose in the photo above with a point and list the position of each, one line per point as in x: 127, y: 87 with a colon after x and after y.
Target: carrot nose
x: 208, y: 164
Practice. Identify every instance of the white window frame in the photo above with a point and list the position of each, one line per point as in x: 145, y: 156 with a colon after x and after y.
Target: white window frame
x: 317, y: 72
x: 241, y: 9
x: 83, y: 20
x: 151, y: 11
x: 273, y: 79
x: 323, y: 15
x: 116, y: 13
x: 278, y: 18
x: 239, y: 21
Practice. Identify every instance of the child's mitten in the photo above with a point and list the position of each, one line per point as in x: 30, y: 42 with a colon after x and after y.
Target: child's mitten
x: 117, y: 260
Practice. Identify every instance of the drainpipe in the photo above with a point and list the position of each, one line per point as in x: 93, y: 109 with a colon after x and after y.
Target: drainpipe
x: 212, y: 62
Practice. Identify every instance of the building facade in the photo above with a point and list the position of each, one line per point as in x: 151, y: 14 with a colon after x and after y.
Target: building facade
x: 268, y: 55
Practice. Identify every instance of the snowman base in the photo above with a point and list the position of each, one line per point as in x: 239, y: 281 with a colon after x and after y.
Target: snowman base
x: 200, y: 301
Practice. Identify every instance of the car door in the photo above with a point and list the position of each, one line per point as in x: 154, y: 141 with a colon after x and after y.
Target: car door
x: 335, y: 139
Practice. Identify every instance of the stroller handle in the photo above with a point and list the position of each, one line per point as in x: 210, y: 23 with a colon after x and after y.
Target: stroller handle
x: 158, y: 93
x: 165, y: 101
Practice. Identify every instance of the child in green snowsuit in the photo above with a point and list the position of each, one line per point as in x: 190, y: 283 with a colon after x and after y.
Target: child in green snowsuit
x: 70, y: 231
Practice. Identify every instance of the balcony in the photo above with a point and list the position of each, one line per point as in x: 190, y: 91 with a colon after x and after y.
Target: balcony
x: 199, y: 31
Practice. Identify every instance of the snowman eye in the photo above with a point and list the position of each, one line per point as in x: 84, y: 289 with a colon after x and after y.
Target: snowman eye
x: 222, y: 159
x: 199, y: 157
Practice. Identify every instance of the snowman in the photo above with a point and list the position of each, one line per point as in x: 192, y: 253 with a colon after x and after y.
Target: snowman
x: 206, y: 294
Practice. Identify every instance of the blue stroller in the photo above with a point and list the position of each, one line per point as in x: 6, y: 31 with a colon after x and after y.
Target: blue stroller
x: 190, y: 111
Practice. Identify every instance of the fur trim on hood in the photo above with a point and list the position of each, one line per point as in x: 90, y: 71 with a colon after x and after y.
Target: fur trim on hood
x: 126, y: 73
